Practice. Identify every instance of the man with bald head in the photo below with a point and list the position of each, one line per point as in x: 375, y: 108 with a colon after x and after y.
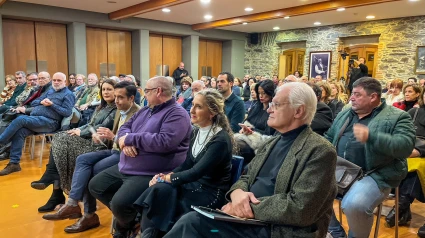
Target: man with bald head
x: 291, y: 78
x: 48, y: 111
x: 179, y: 74
x: 155, y: 140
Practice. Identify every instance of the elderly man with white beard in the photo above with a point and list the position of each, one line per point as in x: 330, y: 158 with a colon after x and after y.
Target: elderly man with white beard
x: 46, y: 116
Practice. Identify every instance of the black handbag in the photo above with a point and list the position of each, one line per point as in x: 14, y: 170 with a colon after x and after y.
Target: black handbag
x: 420, y: 141
x: 346, y: 173
x: 9, y: 115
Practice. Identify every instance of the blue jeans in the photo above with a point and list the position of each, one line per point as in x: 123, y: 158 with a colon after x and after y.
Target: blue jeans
x: 87, y: 166
x: 22, y: 127
x: 358, y: 205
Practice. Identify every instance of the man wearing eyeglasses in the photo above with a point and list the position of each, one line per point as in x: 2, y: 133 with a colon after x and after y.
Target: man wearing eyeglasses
x: 32, y: 81
x: 155, y: 140
x: 290, y: 183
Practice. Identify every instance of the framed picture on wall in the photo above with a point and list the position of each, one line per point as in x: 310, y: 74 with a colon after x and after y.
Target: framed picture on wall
x: 320, y: 64
x: 420, y: 60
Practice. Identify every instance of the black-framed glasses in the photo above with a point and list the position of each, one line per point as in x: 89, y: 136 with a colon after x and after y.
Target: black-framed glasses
x: 146, y: 90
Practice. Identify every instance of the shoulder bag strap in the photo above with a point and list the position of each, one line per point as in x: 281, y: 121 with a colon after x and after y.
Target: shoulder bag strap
x: 416, y: 113
x: 344, y: 126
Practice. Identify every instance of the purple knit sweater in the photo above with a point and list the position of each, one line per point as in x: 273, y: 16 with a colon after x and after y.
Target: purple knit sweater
x: 161, y: 136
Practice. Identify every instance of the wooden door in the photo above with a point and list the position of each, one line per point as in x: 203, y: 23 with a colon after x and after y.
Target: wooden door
x: 97, y: 51
x: 171, y: 54
x: 214, y: 57
x: 155, y: 55
x: 202, y: 59
x: 294, y: 61
x: 19, y: 46
x: 51, y: 47
x: 119, y: 52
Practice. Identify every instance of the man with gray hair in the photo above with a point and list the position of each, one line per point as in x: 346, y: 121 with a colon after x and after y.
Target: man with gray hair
x: 131, y: 78
x: 197, y: 86
x: 21, y: 80
x: 46, y: 116
x: 290, y: 183
x: 155, y: 140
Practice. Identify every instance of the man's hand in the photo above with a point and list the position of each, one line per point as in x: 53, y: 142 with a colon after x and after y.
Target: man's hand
x: 241, y: 203
x: 361, y: 132
x: 20, y: 110
x: 121, y: 141
x: 105, y: 133
x: 130, y: 151
x: 46, y: 102
x: 74, y: 132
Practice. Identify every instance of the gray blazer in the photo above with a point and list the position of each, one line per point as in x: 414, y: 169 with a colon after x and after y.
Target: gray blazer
x: 305, y: 187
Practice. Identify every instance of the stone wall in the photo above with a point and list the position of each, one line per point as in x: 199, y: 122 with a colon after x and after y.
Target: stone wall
x: 398, y: 40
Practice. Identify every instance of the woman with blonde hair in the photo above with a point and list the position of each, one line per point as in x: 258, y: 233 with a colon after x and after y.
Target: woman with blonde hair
x: 204, y: 177
x: 337, y: 98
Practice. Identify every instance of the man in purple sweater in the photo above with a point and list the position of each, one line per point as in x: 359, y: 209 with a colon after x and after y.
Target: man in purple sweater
x: 155, y: 140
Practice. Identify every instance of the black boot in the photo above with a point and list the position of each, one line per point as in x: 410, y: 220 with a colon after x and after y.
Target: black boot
x: 50, y: 176
x: 404, y: 213
x: 54, y: 200
x: 421, y: 231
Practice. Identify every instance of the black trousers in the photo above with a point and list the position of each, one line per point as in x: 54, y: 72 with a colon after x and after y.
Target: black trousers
x: 411, y: 189
x: 118, y: 192
x: 195, y: 225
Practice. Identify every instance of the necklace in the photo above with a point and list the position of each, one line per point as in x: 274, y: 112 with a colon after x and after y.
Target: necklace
x: 201, y: 145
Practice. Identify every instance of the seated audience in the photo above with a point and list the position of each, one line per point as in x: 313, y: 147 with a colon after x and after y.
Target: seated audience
x: 378, y: 138
x: 411, y: 94
x: 32, y: 83
x: 213, y: 83
x: 46, y: 116
x: 197, y: 86
x: 245, y: 80
x: 337, y: 98
x: 323, y: 117
x: 422, y: 82
x: 253, y: 98
x: 21, y: 82
x: 90, y: 164
x: 304, y: 79
x: 206, y: 80
x: 185, y: 90
x: 131, y: 78
x: 410, y: 188
x: 80, y: 84
x: 326, y: 98
x: 246, y: 95
x: 284, y: 181
x: 255, y: 125
x: 234, y: 106
x: 298, y: 74
x: 318, y: 78
x: 155, y: 140
x: 275, y: 79
x: 237, y: 87
x: 8, y: 90
x: 290, y: 78
x: 72, y: 82
x: 412, y: 81
x: 394, y: 93
x: 204, y: 177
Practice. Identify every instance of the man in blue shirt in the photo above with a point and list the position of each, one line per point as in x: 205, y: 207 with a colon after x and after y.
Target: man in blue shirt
x: 233, y: 105
x: 46, y: 116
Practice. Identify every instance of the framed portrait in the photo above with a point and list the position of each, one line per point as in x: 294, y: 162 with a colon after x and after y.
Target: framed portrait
x: 320, y: 64
x: 420, y: 60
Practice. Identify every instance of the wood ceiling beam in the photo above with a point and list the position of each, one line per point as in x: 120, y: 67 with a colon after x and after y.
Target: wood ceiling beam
x: 144, y: 7
x: 291, y: 11
x: 2, y: 2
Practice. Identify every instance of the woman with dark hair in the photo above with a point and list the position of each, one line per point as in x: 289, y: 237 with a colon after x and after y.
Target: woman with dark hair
x: 246, y: 95
x: 72, y: 82
x: 204, y: 177
x: 237, y: 87
x: 298, y: 74
x: 411, y: 93
x: 335, y: 106
x: 255, y: 125
x: 68, y: 145
x: 410, y: 188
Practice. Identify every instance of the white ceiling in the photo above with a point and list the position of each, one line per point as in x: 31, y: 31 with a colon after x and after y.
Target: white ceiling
x: 193, y: 12
x: 101, y: 6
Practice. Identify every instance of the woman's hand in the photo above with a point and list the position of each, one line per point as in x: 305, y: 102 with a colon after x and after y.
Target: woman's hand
x: 74, y: 132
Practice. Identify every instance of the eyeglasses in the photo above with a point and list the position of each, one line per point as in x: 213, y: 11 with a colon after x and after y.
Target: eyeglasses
x: 274, y: 105
x: 146, y: 90
x: 33, y: 79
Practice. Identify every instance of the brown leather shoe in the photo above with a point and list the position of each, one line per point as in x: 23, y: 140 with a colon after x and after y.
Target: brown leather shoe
x: 83, y: 224
x: 10, y: 168
x: 65, y: 212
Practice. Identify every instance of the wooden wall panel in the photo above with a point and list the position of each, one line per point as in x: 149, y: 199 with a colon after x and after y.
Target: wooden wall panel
x: 119, y: 52
x: 171, y: 52
x: 18, y: 45
x: 202, y: 57
x: 155, y: 53
x: 214, y: 56
x: 51, y: 47
x: 97, y: 49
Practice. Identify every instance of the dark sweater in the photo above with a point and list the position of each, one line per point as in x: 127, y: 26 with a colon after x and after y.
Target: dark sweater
x: 63, y: 102
x: 177, y: 73
x: 212, y: 166
x: 322, y: 120
x: 258, y: 117
x: 12, y: 100
x: 235, y: 111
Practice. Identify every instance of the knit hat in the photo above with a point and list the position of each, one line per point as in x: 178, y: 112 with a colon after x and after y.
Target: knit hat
x: 187, y: 79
